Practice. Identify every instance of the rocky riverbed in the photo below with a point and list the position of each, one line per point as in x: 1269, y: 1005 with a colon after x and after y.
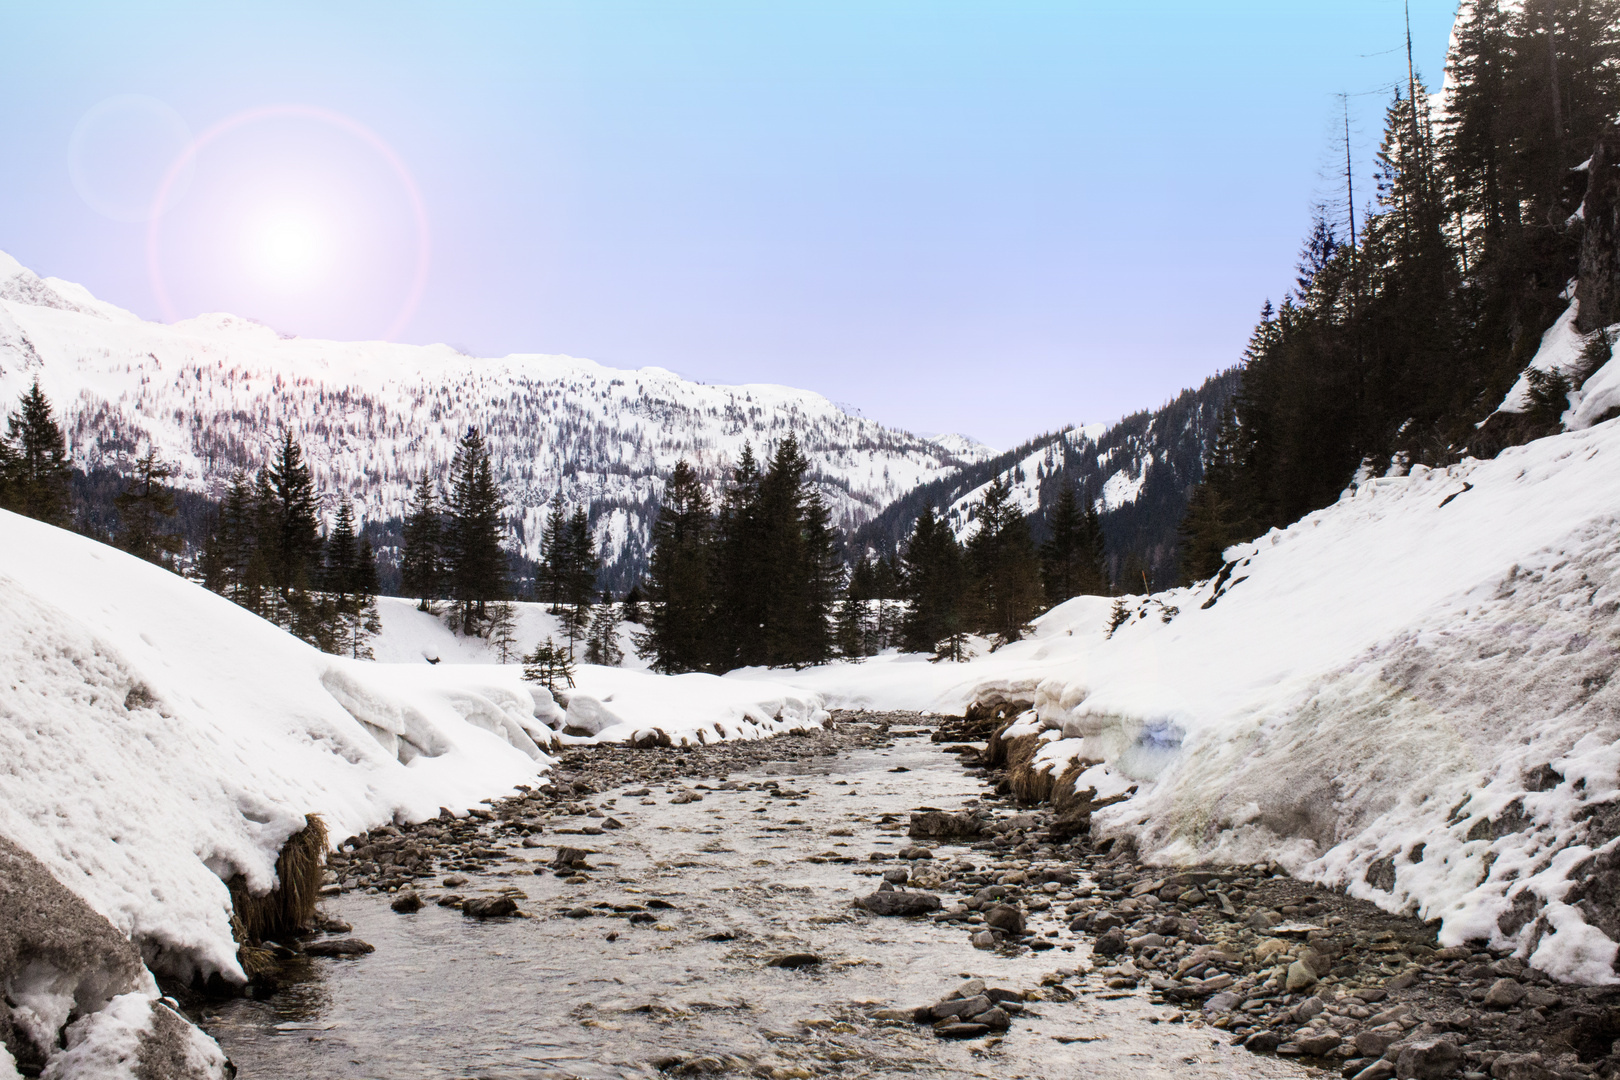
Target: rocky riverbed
x: 858, y: 902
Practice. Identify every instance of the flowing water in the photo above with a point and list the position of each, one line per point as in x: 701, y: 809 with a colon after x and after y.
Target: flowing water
x: 551, y: 997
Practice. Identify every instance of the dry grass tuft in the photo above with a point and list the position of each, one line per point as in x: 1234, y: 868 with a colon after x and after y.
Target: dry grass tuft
x: 289, y: 908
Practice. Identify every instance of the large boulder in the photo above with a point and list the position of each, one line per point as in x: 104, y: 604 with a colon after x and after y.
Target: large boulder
x: 82, y: 1004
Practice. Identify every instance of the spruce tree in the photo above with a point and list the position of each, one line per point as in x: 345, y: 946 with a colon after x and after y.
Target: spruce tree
x: 579, y: 582
x: 822, y: 585
x: 602, y: 643
x: 783, y: 596
x: 421, y: 565
x: 632, y: 605
x: 1063, y: 554
x: 342, y: 551
x: 740, y: 545
x: 551, y: 584
x: 143, y: 507
x: 503, y: 630
x: 290, y: 507
x: 476, y: 563
x: 1002, y: 558
x: 934, y: 586
x: 679, y: 580
x: 38, y: 473
x: 549, y: 665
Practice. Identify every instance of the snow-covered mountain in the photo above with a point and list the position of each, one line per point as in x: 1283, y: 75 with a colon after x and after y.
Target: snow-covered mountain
x: 212, y: 393
x: 1137, y: 472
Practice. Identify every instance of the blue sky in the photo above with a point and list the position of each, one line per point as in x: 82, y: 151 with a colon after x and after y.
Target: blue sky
x: 994, y: 218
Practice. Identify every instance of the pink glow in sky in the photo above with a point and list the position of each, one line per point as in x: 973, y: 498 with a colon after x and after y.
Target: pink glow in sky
x: 314, y: 235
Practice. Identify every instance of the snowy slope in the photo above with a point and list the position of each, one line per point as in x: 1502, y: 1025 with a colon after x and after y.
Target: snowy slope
x: 1410, y: 693
x: 156, y: 739
x: 213, y: 392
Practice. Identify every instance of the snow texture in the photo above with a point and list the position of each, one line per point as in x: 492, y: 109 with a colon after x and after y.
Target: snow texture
x: 1410, y: 693
x: 156, y: 739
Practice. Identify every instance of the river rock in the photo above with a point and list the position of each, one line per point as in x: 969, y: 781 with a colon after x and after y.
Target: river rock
x: 1006, y: 918
x: 795, y: 960
x: 1374, y: 1041
x: 570, y: 858
x: 489, y: 907
x: 996, y: 1019
x: 406, y: 902
x: 1110, y: 944
x: 1504, y: 994
x: 897, y: 876
x: 348, y: 946
x: 1300, y: 976
x: 1317, y: 1043
x: 1520, y: 1067
x: 900, y: 902
x: 1430, y: 1058
x: 984, y: 939
x: 938, y: 825
x: 955, y: 1008
x: 961, y: 1031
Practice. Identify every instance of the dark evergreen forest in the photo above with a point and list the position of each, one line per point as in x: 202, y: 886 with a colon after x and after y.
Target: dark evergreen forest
x: 1413, y: 316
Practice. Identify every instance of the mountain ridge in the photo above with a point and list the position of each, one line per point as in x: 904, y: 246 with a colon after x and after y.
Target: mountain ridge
x: 211, y: 393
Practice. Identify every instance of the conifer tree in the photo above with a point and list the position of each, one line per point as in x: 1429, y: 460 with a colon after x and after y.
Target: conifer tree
x: 1072, y: 559
x: 783, y: 597
x: 476, y: 563
x: 549, y: 665
x: 1002, y: 558
x: 602, y: 643
x: 342, y: 551
x: 551, y: 584
x: 632, y: 605
x: 934, y: 586
x: 679, y: 580
x: 503, y: 630
x: 822, y: 585
x: 143, y: 506
x: 289, y: 506
x: 850, y: 633
x: 37, y: 471
x: 421, y: 565
x: 740, y: 544
x: 579, y: 580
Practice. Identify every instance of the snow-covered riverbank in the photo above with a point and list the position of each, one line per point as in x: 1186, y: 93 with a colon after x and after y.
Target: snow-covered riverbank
x: 1409, y: 693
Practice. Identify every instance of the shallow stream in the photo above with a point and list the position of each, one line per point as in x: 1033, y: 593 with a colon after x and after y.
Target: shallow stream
x: 552, y: 997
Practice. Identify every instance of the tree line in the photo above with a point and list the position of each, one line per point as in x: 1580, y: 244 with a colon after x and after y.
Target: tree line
x: 758, y: 581
x: 1402, y: 336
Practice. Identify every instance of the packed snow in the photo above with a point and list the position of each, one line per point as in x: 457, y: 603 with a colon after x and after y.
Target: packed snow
x: 1409, y: 693
x: 156, y: 739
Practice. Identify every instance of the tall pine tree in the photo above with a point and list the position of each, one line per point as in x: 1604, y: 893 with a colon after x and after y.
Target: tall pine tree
x: 37, y: 471
x: 679, y: 610
x: 476, y: 562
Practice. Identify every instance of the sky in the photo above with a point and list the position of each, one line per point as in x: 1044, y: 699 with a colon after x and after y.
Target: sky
x: 994, y: 218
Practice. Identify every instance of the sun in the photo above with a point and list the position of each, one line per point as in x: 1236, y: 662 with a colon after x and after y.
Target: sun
x: 288, y: 248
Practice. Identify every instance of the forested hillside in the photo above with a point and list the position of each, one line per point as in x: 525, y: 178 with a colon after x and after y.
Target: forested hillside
x: 1136, y: 473
x: 1416, y: 318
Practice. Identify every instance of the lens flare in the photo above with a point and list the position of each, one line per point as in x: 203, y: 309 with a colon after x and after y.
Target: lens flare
x: 288, y: 248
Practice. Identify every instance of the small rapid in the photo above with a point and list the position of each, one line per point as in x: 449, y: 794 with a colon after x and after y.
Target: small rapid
x: 686, y: 988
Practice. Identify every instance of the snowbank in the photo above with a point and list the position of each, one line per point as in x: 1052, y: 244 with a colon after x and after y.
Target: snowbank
x: 156, y: 739
x: 608, y: 704
x: 1410, y: 693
